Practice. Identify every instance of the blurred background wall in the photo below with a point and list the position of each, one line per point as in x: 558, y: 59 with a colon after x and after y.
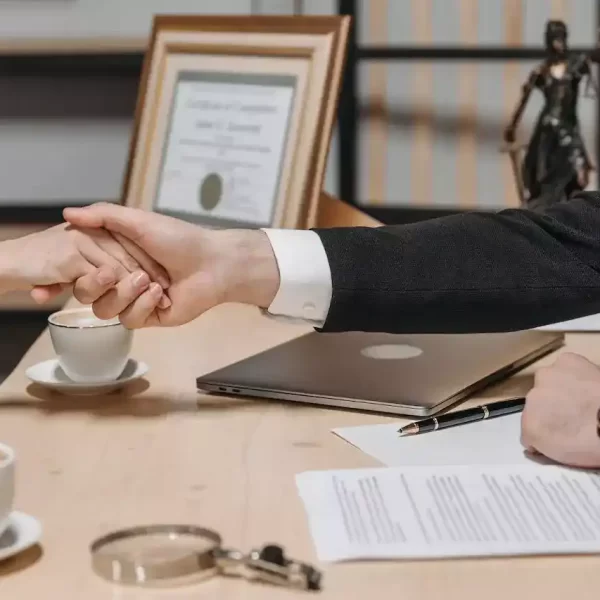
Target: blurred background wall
x: 429, y: 88
x: 431, y: 119
x: 64, y: 136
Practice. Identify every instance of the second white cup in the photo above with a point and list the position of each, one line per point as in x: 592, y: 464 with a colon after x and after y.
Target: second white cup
x: 89, y: 350
x: 7, y: 485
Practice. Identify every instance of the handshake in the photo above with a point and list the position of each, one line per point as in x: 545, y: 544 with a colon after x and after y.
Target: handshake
x: 145, y: 268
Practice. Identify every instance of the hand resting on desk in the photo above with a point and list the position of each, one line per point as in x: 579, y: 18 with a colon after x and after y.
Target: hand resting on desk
x: 560, y: 416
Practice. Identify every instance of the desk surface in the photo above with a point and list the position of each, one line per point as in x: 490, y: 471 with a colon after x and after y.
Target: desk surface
x: 165, y: 454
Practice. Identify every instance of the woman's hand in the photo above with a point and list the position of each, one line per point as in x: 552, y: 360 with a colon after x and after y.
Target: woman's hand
x: 90, y: 259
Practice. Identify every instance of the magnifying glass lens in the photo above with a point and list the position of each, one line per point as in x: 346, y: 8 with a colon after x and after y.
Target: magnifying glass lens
x: 163, y: 555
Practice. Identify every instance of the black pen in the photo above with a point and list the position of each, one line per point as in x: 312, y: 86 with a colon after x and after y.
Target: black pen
x: 469, y: 415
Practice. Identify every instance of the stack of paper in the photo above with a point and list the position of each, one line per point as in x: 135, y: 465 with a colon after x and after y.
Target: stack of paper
x: 451, y: 511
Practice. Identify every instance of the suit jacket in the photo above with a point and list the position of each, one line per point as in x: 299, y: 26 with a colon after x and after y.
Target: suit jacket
x: 469, y: 273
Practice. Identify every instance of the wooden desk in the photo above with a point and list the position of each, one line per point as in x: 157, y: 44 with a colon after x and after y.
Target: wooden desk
x: 87, y: 466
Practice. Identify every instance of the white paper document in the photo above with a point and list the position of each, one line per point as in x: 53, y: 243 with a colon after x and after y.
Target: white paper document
x: 439, y: 512
x: 493, y: 441
x: 591, y: 323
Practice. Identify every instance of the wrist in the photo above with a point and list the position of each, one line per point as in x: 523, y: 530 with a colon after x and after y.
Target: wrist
x: 253, y: 274
x: 10, y: 277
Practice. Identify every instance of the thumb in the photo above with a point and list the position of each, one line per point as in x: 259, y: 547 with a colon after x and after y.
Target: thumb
x: 129, y: 222
x: 44, y: 293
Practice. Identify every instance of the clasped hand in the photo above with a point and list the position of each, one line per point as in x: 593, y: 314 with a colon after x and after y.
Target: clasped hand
x: 90, y: 260
x: 148, y: 269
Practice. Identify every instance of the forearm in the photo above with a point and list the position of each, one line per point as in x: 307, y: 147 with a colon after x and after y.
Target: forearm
x: 10, y: 280
x: 474, y: 272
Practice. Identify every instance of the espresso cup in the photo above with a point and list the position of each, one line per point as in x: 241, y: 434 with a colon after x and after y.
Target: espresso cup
x: 89, y: 349
x: 7, y: 485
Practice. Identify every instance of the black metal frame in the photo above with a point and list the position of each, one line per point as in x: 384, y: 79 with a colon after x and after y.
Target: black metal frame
x: 348, y: 116
x: 77, y: 64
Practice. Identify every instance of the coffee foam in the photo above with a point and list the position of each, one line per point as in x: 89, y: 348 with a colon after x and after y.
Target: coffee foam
x: 80, y: 319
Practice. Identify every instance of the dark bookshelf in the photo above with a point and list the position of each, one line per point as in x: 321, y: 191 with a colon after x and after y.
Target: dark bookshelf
x: 83, y: 64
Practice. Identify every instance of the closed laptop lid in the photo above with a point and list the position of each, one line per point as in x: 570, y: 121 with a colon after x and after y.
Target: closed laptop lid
x: 423, y: 371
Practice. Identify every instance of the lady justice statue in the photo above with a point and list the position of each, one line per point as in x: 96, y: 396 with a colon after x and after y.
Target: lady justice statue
x: 556, y: 163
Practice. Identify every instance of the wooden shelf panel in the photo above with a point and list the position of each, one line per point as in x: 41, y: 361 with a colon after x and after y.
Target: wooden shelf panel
x: 66, y: 46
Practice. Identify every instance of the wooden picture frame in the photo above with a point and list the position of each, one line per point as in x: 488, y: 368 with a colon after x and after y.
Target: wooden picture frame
x: 333, y: 212
x: 234, y: 118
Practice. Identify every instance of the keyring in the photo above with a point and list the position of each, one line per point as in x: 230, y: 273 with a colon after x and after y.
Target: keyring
x: 171, y: 555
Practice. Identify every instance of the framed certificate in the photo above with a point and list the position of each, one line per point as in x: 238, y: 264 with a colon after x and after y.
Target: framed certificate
x: 234, y: 119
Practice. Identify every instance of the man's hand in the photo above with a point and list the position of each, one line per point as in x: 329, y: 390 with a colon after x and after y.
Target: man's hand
x: 205, y: 267
x: 92, y: 260
x: 560, y: 416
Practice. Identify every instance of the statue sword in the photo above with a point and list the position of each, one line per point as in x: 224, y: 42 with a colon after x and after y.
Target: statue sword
x: 513, y: 151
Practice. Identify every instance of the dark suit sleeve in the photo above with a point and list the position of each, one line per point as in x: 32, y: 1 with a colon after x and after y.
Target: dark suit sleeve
x: 469, y: 273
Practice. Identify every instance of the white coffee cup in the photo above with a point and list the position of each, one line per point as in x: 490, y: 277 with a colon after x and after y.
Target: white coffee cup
x: 89, y: 349
x: 7, y: 485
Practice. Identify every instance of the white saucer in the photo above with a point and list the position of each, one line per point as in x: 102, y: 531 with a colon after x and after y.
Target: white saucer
x: 23, y: 532
x: 50, y: 375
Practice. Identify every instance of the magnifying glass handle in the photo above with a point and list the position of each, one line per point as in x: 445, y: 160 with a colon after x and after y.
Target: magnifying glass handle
x: 269, y: 564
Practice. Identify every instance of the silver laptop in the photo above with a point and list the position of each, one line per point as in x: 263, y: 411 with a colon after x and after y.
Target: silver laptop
x: 398, y: 374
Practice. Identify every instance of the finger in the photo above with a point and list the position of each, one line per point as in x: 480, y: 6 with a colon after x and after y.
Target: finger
x: 141, y: 312
x: 120, y: 296
x: 111, y: 246
x: 98, y: 257
x: 165, y: 301
x: 533, y: 454
x: 157, y: 272
x: 526, y: 438
x: 90, y: 287
x: 119, y: 219
x: 44, y: 293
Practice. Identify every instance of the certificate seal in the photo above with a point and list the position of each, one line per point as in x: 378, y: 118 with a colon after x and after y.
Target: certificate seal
x: 211, y: 191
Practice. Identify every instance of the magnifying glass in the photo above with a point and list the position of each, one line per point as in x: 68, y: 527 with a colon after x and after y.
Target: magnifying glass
x: 173, y: 555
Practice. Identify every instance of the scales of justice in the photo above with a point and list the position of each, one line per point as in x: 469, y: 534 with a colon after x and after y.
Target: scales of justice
x: 555, y: 164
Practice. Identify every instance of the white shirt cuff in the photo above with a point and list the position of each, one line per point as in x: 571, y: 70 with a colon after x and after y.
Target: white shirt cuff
x: 305, y: 286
